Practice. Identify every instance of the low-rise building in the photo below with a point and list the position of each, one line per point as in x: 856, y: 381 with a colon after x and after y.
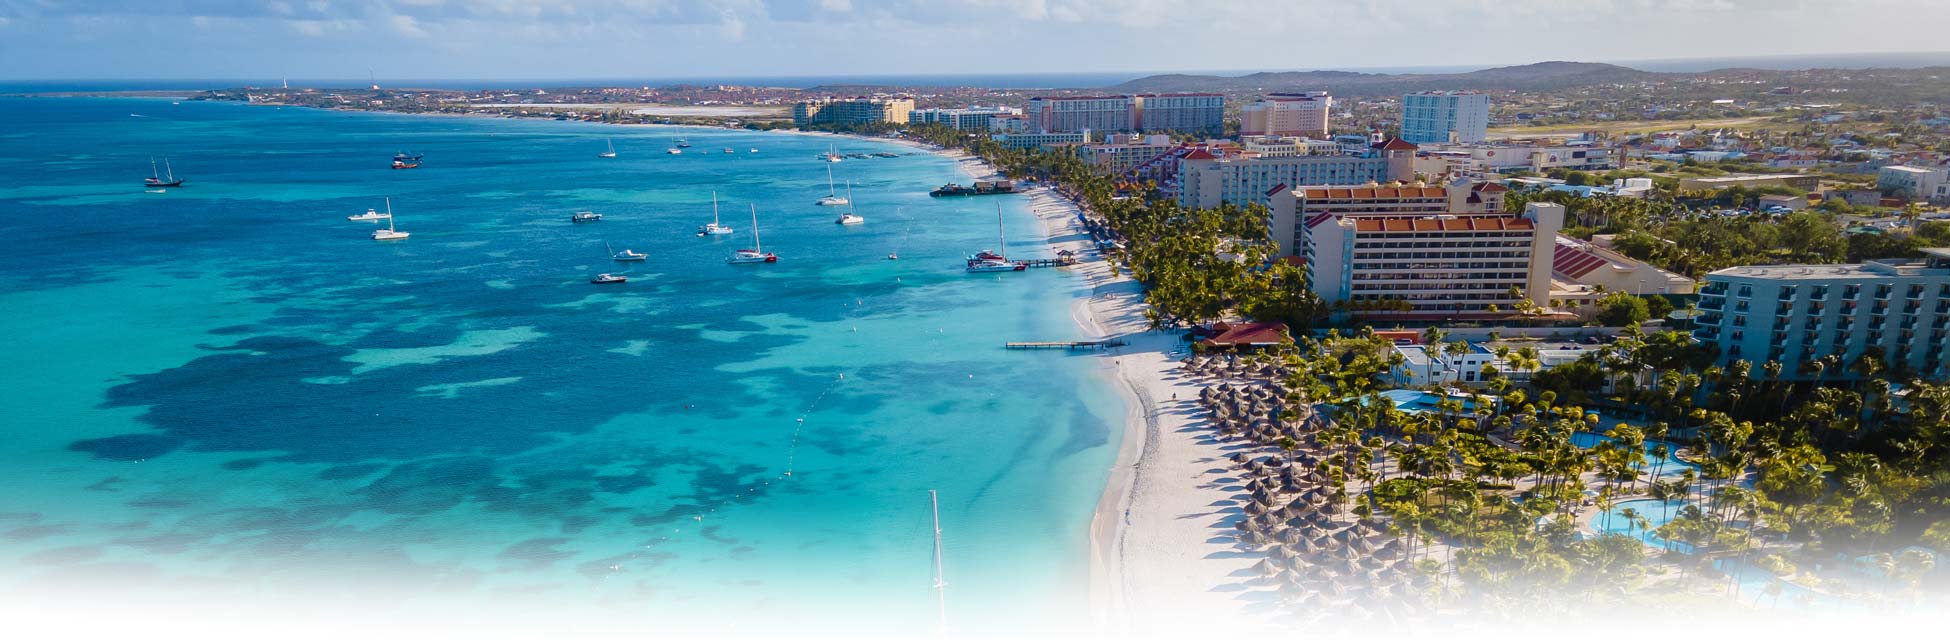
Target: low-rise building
x: 1751, y: 181
x: 1595, y: 266
x: 1206, y: 180
x: 1288, y: 146
x: 1528, y: 156
x: 1436, y: 364
x: 1121, y: 154
x: 1041, y: 140
x: 972, y: 118
x: 1892, y: 310
x: 1910, y: 183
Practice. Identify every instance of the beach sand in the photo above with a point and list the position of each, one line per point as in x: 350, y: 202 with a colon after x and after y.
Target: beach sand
x: 1161, y: 552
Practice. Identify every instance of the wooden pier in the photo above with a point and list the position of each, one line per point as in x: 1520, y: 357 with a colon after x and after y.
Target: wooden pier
x: 1071, y: 345
x: 1049, y: 262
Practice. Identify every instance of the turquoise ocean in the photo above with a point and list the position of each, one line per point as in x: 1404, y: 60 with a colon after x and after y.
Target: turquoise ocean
x: 230, y: 389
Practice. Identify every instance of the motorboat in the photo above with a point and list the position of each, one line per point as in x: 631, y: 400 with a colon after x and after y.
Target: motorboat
x: 371, y: 215
x: 609, y: 278
x: 625, y: 255
x: 585, y: 216
x: 673, y: 151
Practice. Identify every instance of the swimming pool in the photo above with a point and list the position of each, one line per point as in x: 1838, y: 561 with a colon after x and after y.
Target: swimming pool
x: 1423, y: 401
x: 1656, y: 514
x: 1667, y: 467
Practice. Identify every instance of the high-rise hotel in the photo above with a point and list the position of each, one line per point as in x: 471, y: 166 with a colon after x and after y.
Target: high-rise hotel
x: 1194, y: 113
x: 1441, y: 117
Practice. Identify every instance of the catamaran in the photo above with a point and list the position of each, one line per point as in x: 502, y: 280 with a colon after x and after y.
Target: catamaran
x: 625, y: 255
x: 990, y: 261
x: 389, y: 233
x: 851, y: 216
x: 714, y: 229
x: 757, y: 252
x: 833, y: 198
x: 157, y: 180
x: 611, y: 153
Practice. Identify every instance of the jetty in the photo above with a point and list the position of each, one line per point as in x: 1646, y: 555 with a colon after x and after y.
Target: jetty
x: 1063, y: 261
x: 1073, y: 345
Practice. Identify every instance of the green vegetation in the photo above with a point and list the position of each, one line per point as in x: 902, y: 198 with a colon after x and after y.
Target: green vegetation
x: 1787, y: 474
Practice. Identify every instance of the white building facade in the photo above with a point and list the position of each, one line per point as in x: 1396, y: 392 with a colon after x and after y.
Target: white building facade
x: 1287, y: 114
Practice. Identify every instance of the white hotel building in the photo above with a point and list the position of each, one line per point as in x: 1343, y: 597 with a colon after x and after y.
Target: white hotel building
x: 1206, y: 180
x: 1460, y: 265
x: 1896, y: 311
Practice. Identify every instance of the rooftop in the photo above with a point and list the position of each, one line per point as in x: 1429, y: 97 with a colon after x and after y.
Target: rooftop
x: 1447, y: 222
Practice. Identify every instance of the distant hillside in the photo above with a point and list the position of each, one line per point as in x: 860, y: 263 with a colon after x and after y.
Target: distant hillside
x: 1539, y: 76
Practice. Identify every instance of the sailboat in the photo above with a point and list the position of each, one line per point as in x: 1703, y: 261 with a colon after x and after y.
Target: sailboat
x: 625, y: 255
x: 157, y: 180
x: 833, y: 198
x: 833, y: 154
x: 389, y: 233
x: 683, y: 143
x: 991, y: 261
x: 714, y: 229
x: 611, y: 153
x: 851, y: 216
x: 757, y: 252
x: 940, y: 579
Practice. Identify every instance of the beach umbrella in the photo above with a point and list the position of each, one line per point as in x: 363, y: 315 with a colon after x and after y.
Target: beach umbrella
x: 1254, y: 508
x: 1292, y: 536
x: 1239, y: 458
x: 1266, y: 567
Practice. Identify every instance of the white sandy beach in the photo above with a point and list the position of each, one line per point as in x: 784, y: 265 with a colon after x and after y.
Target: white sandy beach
x: 1161, y: 554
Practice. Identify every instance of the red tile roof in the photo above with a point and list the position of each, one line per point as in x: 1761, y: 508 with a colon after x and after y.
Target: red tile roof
x: 1200, y: 154
x: 1396, y: 144
x: 1570, y: 261
x: 1251, y: 334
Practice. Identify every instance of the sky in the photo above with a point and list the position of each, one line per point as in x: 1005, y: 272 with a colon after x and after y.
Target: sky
x: 578, y: 39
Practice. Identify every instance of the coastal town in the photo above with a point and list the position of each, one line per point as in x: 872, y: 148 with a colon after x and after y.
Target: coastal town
x: 974, y: 319
x: 1567, y: 329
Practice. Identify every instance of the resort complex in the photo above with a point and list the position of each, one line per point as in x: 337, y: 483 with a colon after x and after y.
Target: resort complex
x: 771, y: 342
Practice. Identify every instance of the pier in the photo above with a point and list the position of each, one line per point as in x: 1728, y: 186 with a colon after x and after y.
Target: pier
x: 1049, y: 262
x: 1072, y: 345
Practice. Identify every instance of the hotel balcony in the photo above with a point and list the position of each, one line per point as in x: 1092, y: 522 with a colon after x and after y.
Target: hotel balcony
x: 1712, y: 304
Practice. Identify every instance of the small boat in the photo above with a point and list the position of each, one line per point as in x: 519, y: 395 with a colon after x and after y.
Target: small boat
x: 832, y: 198
x: 585, y: 216
x: 389, y: 233
x: 832, y: 154
x: 683, y: 143
x: 609, y: 278
x: 851, y: 216
x: 992, y: 261
x: 893, y: 256
x: 713, y: 229
x: 611, y: 153
x: 403, y: 164
x: 155, y: 191
x: 728, y: 150
x: 754, y: 150
x: 673, y: 151
x: 625, y: 255
x: 408, y: 156
x: 158, y: 180
x: 372, y: 215
x: 757, y: 253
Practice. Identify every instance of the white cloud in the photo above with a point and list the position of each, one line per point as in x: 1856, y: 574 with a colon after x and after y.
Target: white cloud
x: 408, y: 26
x: 836, y: 6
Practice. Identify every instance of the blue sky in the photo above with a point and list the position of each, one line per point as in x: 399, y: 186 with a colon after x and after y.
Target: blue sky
x: 466, y: 39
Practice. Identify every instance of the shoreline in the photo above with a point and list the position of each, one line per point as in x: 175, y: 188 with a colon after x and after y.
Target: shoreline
x: 1153, y: 564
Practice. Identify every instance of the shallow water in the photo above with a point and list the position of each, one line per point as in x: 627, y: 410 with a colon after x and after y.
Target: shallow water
x: 230, y: 387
